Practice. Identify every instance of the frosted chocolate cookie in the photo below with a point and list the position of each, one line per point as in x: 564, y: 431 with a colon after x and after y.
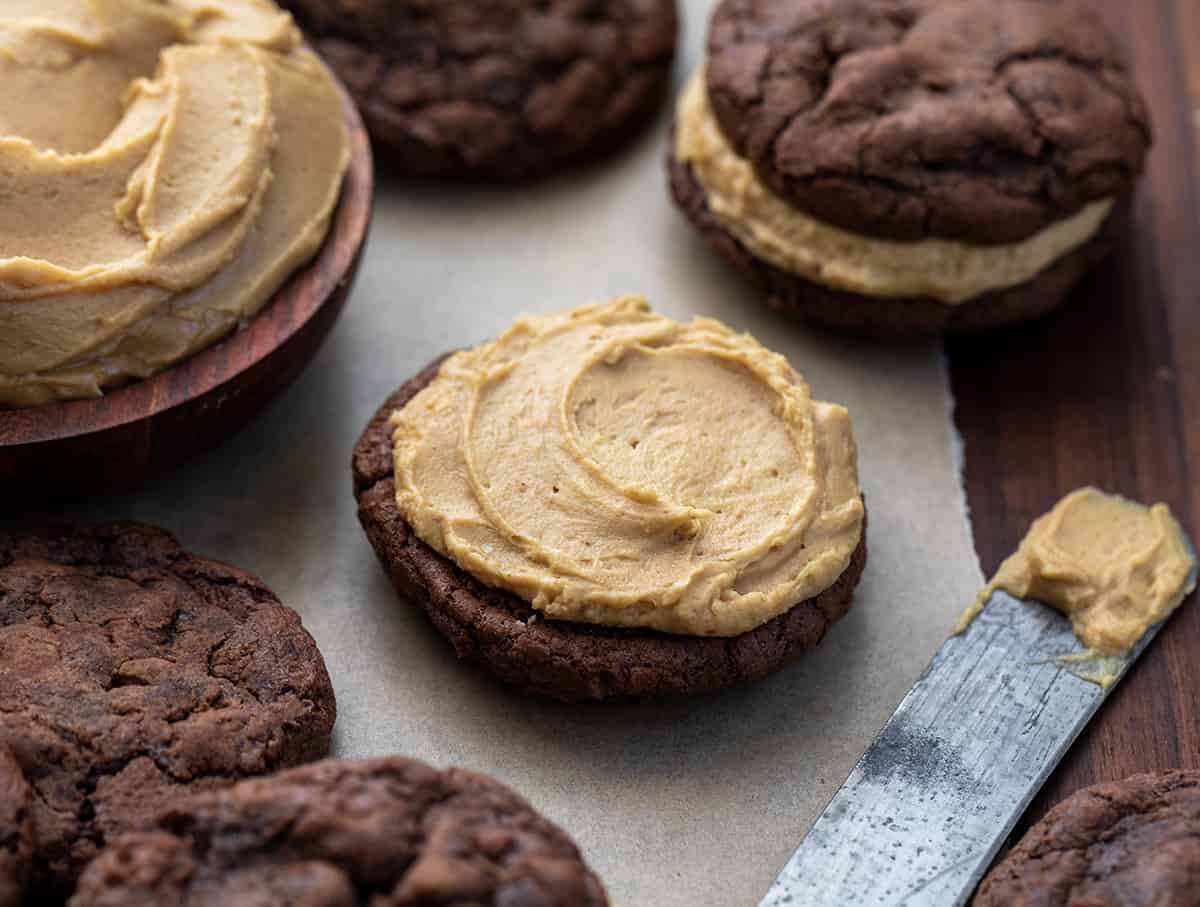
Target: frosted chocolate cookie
x: 906, y: 166
x: 133, y: 674
x: 386, y: 831
x: 16, y: 831
x: 605, y: 502
x: 1131, y: 843
x: 506, y: 89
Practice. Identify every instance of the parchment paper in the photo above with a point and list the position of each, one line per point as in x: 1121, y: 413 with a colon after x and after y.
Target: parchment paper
x: 694, y: 802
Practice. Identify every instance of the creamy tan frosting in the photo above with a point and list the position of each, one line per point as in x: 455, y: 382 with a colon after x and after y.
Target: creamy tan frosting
x: 612, y: 466
x: 164, y: 166
x: 774, y: 231
x: 1113, y: 566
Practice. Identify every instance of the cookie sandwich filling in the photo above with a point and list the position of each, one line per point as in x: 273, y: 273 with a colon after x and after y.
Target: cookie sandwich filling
x: 772, y: 230
x: 612, y: 466
x: 164, y: 167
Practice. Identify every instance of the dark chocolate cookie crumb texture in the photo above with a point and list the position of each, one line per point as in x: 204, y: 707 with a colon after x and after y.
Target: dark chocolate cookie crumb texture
x: 1132, y: 843
x: 507, y: 89
x: 16, y: 831
x: 389, y: 831
x: 978, y: 120
x: 562, y: 659
x: 133, y: 673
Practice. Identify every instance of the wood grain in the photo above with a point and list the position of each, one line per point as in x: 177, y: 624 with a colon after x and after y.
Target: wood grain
x: 114, y: 439
x: 1107, y: 392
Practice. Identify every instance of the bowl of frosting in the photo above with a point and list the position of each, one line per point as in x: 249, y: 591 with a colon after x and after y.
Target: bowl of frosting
x: 165, y: 167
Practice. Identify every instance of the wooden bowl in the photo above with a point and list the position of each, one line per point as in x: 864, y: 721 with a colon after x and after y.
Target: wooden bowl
x: 147, y: 425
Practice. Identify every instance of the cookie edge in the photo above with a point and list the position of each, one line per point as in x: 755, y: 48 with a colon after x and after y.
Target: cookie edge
x: 561, y: 659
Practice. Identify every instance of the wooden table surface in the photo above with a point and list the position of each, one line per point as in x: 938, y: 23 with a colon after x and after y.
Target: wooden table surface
x: 1107, y: 392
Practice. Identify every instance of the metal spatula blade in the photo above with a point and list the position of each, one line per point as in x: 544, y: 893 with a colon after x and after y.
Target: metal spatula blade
x: 924, y: 811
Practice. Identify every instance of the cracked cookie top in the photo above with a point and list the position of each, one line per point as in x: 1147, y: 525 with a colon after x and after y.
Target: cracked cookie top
x: 505, y: 89
x: 389, y: 831
x: 1127, y: 842
x: 133, y: 673
x: 978, y: 120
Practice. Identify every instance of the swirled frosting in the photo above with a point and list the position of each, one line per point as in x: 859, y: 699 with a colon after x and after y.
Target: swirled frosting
x: 164, y: 166
x: 613, y: 466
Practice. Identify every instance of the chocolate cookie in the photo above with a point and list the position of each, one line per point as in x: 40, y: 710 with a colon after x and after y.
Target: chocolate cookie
x: 892, y: 317
x: 562, y: 659
x: 979, y: 120
x: 386, y: 831
x: 1132, y: 843
x: 133, y: 673
x: 507, y: 89
x: 16, y: 831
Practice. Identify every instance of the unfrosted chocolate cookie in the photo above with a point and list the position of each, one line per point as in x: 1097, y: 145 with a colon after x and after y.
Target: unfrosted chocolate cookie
x: 1131, y: 843
x: 389, y: 831
x: 133, y: 673
x: 563, y: 659
x: 16, y: 831
x: 506, y: 89
x: 979, y: 120
x: 899, y: 316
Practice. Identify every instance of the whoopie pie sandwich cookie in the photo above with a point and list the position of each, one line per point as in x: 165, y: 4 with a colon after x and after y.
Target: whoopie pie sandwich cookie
x: 132, y: 674
x: 909, y: 166
x: 16, y: 831
x: 604, y: 502
x: 504, y: 89
x: 389, y: 831
x: 1131, y: 843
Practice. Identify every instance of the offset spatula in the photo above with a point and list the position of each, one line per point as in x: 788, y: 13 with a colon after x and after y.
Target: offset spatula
x: 925, y: 810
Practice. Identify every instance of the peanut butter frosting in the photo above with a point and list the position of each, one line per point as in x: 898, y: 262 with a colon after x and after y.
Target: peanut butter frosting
x: 612, y: 466
x: 1111, y: 565
x: 772, y: 230
x: 164, y: 167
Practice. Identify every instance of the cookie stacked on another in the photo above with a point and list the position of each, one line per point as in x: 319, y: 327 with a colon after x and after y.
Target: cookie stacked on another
x: 391, y: 832
x: 608, y: 503
x: 503, y: 89
x: 134, y: 674
x: 907, y: 166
